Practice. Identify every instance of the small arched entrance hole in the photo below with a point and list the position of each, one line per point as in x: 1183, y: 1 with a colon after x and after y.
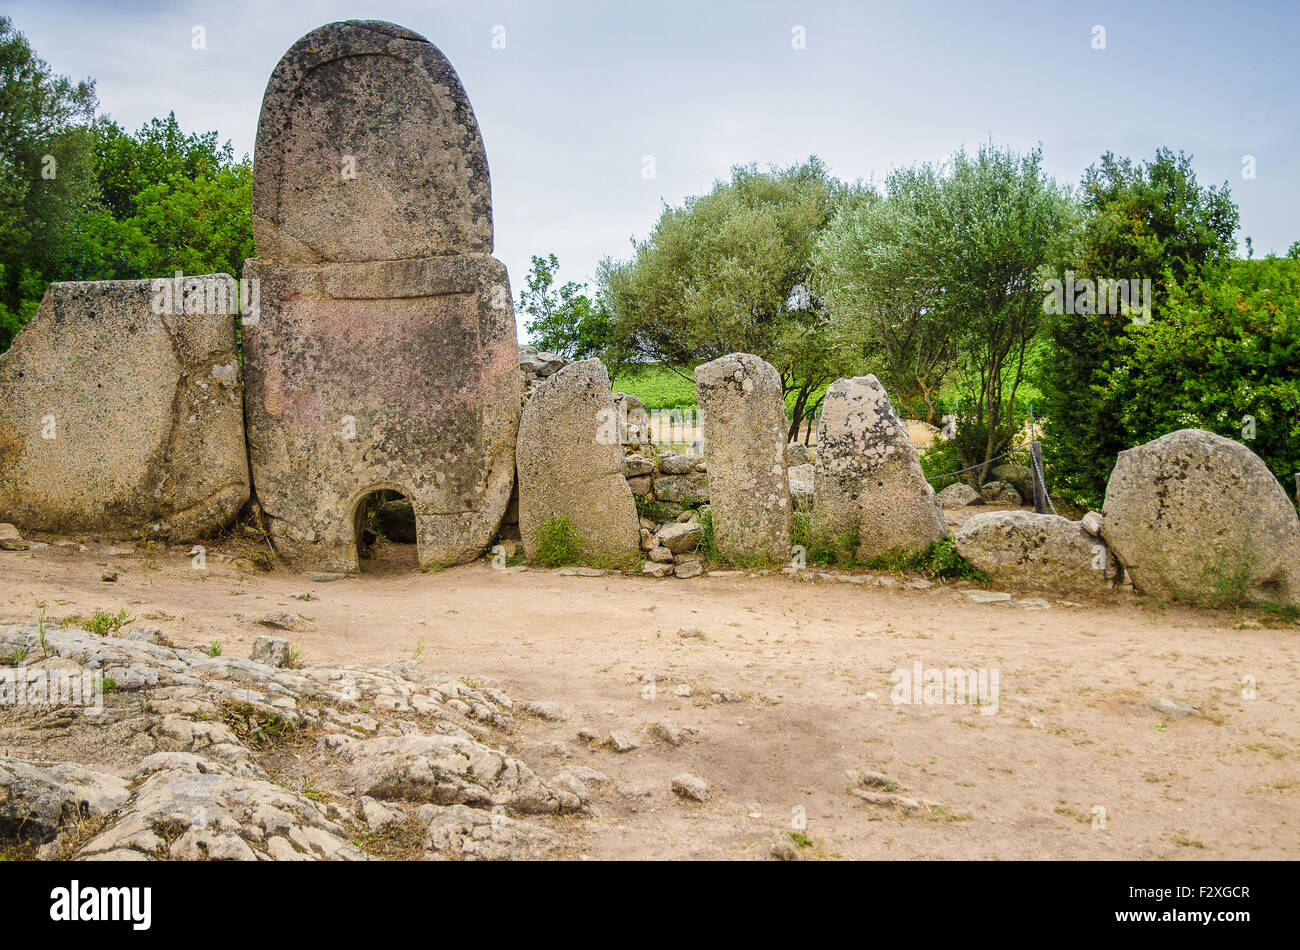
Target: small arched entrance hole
x: 384, y: 528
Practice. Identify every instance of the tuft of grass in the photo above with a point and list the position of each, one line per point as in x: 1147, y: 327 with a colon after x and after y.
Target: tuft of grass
x: 255, y: 727
x: 558, y: 542
x: 257, y: 548
x: 103, y: 623
x: 1281, y: 614
x: 214, y: 648
x: 800, y: 839
x: 938, y: 560
x: 820, y: 546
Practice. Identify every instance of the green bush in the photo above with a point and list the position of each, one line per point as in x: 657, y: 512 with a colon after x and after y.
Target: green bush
x: 558, y: 543
x: 820, y: 546
x: 938, y: 560
x: 104, y: 623
x: 1225, y: 348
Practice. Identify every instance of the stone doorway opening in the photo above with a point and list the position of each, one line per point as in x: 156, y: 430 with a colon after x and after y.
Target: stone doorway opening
x: 384, y: 528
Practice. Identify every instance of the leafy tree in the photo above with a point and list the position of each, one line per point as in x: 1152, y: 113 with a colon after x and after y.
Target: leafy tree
x: 1225, y: 356
x: 878, y: 267
x: 81, y: 199
x: 1149, y: 220
x: 47, y: 175
x: 1008, y: 224
x: 565, y: 320
x: 939, y: 280
x: 728, y: 272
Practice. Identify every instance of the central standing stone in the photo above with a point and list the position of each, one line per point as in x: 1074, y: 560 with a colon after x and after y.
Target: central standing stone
x: 385, y: 356
x: 869, y: 485
x: 743, y: 415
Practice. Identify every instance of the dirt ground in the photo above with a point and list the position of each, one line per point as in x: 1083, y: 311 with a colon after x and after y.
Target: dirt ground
x: 1073, y: 763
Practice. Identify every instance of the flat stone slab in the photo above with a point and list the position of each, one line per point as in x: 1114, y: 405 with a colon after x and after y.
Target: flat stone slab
x: 121, y: 412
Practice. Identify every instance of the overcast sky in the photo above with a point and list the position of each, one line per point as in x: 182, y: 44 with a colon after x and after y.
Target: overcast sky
x: 584, y: 91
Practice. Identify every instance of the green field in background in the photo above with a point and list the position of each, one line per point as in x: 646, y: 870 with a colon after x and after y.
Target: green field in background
x: 661, y: 388
x: 658, y: 388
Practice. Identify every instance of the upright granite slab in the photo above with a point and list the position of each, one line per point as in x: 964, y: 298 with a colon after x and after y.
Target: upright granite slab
x: 1199, y: 517
x: 868, y: 481
x: 385, y: 356
x: 743, y: 416
x: 120, y: 415
x: 571, y: 466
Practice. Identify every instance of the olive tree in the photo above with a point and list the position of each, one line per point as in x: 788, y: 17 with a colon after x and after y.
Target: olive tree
x: 730, y: 271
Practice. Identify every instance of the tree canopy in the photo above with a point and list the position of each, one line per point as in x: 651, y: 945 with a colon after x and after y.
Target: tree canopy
x: 730, y: 271
x: 82, y: 199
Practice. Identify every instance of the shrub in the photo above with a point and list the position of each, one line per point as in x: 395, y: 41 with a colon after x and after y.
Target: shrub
x: 820, y: 546
x: 558, y: 542
x: 938, y: 560
x: 104, y: 623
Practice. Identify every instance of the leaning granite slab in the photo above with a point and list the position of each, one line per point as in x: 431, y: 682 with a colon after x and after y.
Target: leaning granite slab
x: 1199, y: 517
x: 120, y: 415
x: 868, y: 482
x: 1040, y: 552
x: 169, y: 762
x: 570, y: 462
x: 385, y: 356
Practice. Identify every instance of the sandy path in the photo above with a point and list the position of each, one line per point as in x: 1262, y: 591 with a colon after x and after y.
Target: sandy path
x: 812, y: 662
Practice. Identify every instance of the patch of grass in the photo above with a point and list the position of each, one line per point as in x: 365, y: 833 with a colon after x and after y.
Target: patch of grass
x: 103, y: 623
x: 1078, y: 816
x: 1282, y: 615
x: 109, y: 684
x: 257, y: 548
x: 402, y: 840
x: 938, y: 560
x: 214, y: 648
x: 800, y: 839
x: 558, y: 543
x: 255, y: 727
x: 707, y: 548
x: 658, y: 387
x: 1272, y: 750
x: 820, y: 546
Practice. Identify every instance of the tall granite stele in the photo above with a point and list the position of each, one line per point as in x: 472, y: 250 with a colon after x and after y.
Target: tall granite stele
x: 742, y: 409
x: 385, y: 356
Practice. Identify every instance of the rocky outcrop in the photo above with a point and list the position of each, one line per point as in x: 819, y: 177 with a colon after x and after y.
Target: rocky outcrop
x: 121, y: 411
x: 1042, y: 552
x: 1018, y: 477
x: 869, y: 482
x: 171, y: 760
x: 571, y: 466
x: 1196, y: 516
x: 1001, y: 493
x: 743, y: 409
x: 958, y: 495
